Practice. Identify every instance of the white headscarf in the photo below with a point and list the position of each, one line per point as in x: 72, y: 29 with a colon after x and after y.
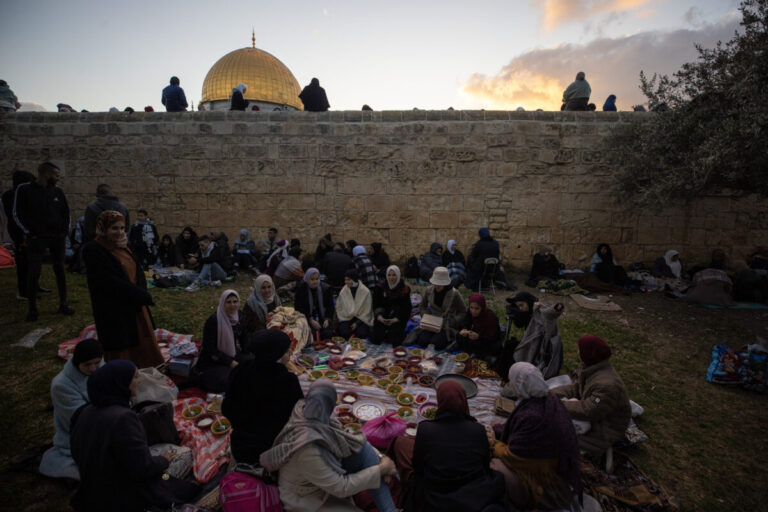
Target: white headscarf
x: 396, y: 270
x: 450, y: 245
x: 527, y: 381
x: 675, y: 266
x: 241, y: 87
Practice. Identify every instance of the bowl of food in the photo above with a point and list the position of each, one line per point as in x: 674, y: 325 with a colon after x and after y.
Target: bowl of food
x: 402, y: 363
x: 426, y: 381
x: 342, y: 408
x: 331, y: 374
x: 346, y: 417
x: 349, y: 397
x: 306, y: 361
x: 366, y: 410
x: 335, y: 362
x: 192, y: 412
x: 400, y: 352
x: 348, y: 362
x: 414, y: 359
x: 405, y: 399
x: 410, y: 375
x: 417, y: 352
x: 204, y: 421
x: 220, y: 427
x: 365, y: 380
x: 461, y: 357
x: 395, y: 369
x: 421, y: 398
x: 319, y: 346
x: 315, y: 374
x: 336, y: 339
x: 379, y: 371
x: 395, y: 378
x: 352, y: 427
x: 335, y: 350
x: 394, y: 389
x: 404, y: 413
x: 413, y: 368
x: 428, y: 410
x: 352, y: 375
x: 383, y: 383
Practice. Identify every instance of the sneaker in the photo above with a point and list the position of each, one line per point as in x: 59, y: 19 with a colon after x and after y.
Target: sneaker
x: 64, y: 309
x: 40, y: 289
x: 32, y: 315
x: 194, y: 286
x: 216, y: 283
x: 21, y: 297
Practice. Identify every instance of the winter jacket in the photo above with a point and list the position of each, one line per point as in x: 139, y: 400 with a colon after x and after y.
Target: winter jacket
x: 174, y: 99
x: 93, y: 210
x: 541, y: 344
x: 40, y: 211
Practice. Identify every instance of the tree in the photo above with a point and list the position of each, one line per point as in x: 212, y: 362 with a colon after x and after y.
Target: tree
x: 709, y: 129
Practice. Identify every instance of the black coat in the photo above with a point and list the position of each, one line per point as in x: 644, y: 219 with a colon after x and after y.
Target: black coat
x: 301, y: 301
x: 544, y: 268
x: 40, y: 211
x: 314, y: 98
x: 456, y: 257
x: 114, y: 299
x: 335, y: 265
x: 451, y: 467
x: 483, y: 248
x: 117, y: 472
x: 258, y: 402
x: 238, y: 102
x: 210, y: 355
x: 392, y: 303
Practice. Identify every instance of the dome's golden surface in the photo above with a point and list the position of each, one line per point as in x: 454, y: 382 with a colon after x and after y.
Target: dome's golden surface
x: 266, y: 78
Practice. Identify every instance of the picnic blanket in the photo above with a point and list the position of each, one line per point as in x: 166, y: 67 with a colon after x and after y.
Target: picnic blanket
x: 166, y: 339
x: 599, y: 303
x: 293, y: 323
x: 209, y: 452
x: 627, y: 489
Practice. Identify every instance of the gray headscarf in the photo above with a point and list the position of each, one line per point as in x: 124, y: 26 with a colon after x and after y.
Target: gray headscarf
x: 257, y: 303
x: 527, y: 381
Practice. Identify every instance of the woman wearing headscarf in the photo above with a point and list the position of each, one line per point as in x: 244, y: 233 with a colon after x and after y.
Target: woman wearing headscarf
x: 486, y: 247
x: 187, y: 249
x: 545, y: 266
x: 278, y: 255
x: 444, y: 301
x: 238, y: 101
x: 601, y: 397
x: 166, y: 252
x: 610, y: 104
x: 670, y: 266
x: 119, y: 295
x: 430, y: 261
x: 604, y: 266
x: 380, y: 260
x: 260, y: 396
x: 537, y: 451
x: 109, y: 445
x: 261, y: 302
x: 354, y: 307
x: 451, y: 457
x: 69, y: 392
x: 480, y: 333
x: 322, y: 465
x: 391, y: 308
x: 315, y: 301
x: 454, y: 261
x: 225, y: 340
x: 244, y: 252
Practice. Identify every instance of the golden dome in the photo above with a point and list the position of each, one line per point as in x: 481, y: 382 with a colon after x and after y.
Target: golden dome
x: 266, y: 78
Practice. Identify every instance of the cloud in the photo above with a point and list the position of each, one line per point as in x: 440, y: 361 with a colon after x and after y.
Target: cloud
x: 536, y: 79
x: 558, y: 12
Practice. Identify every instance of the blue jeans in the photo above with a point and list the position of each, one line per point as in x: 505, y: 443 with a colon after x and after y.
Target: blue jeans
x: 366, y: 458
x: 212, y: 272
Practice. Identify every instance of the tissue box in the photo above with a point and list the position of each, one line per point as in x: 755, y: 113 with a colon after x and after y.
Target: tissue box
x: 180, y: 367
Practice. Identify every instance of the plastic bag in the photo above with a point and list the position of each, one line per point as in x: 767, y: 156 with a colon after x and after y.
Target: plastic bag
x: 155, y: 387
x: 382, y: 430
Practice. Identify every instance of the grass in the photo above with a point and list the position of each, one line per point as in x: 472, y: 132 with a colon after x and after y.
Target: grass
x: 707, y: 445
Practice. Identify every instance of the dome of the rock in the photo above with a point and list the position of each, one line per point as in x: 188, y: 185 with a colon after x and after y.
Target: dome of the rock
x: 269, y: 82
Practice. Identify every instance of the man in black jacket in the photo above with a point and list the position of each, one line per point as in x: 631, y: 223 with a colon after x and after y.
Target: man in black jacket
x: 15, y: 232
x: 41, y: 211
x: 104, y: 201
x: 335, y: 265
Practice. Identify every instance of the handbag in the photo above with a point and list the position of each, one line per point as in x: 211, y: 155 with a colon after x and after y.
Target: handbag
x: 431, y: 323
x: 157, y: 419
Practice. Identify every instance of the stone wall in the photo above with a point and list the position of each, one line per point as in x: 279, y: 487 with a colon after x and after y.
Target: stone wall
x: 403, y: 178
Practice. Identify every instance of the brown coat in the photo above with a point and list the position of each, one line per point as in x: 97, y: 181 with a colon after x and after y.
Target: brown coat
x: 603, y: 401
x: 452, y: 311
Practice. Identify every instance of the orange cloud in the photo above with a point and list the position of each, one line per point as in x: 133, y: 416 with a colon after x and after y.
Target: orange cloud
x: 558, y: 12
x: 517, y: 87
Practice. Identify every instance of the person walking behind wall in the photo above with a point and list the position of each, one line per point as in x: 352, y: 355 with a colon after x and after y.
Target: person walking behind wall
x: 41, y: 211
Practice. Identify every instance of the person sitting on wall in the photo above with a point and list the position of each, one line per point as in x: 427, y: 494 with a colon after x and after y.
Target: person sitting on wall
x: 173, y: 97
x: 225, y: 340
x: 545, y: 267
x: 610, y: 104
x: 354, y: 307
x: 238, y: 101
x: 600, y: 397
x: 187, y: 249
x: 391, y: 307
x: 604, y: 266
x: 314, y: 300
x: 313, y: 97
x: 430, y: 260
x: 576, y: 95
x: 289, y: 270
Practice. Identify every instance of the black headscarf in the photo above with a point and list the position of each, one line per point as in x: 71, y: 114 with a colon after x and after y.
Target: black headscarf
x: 110, y: 384
x: 86, y: 350
x: 268, y: 346
x: 521, y: 318
x: 608, y: 256
x: 188, y: 246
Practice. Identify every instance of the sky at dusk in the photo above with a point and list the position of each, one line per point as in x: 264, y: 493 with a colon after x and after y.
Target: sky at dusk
x: 393, y: 55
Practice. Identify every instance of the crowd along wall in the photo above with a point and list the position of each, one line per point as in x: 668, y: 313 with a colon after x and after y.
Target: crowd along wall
x: 405, y: 178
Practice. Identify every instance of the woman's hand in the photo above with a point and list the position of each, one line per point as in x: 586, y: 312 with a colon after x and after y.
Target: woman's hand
x: 463, y: 332
x: 315, y: 325
x: 233, y: 364
x: 491, y: 435
x: 325, y: 324
x: 473, y: 335
x: 169, y: 456
x: 353, y: 326
x: 387, y: 467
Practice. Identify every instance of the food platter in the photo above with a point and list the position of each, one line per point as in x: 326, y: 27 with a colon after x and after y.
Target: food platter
x: 383, y: 383
x: 352, y: 374
x: 405, y: 399
x: 428, y: 410
x: 367, y: 410
x: 365, y: 380
x: 461, y: 357
x: 394, y: 389
x: 468, y: 384
x: 331, y: 375
x: 192, y: 412
x: 405, y: 413
x: 220, y: 427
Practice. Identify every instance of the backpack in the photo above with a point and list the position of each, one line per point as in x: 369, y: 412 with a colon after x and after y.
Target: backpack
x: 239, y: 492
x: 412, y: 268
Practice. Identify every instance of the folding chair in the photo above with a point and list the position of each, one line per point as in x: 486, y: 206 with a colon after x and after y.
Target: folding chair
x: 489, y: 272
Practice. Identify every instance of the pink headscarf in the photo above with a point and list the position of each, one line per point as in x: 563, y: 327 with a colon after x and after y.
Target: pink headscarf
x: 226, y: 338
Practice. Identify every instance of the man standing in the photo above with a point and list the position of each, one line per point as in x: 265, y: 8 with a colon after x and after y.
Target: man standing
x: 41, y: 211
x: 576, y: 95
x: 104, y: 201
x: 173, y: 97
x: 15, y: 232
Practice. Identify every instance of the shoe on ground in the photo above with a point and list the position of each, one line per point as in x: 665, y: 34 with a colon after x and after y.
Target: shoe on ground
x: 21, y: 297
x: 32, y: 315
x: 64, y: 309
x: 194, y: 286
x: 216, y: 283
x: 40, y: 289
